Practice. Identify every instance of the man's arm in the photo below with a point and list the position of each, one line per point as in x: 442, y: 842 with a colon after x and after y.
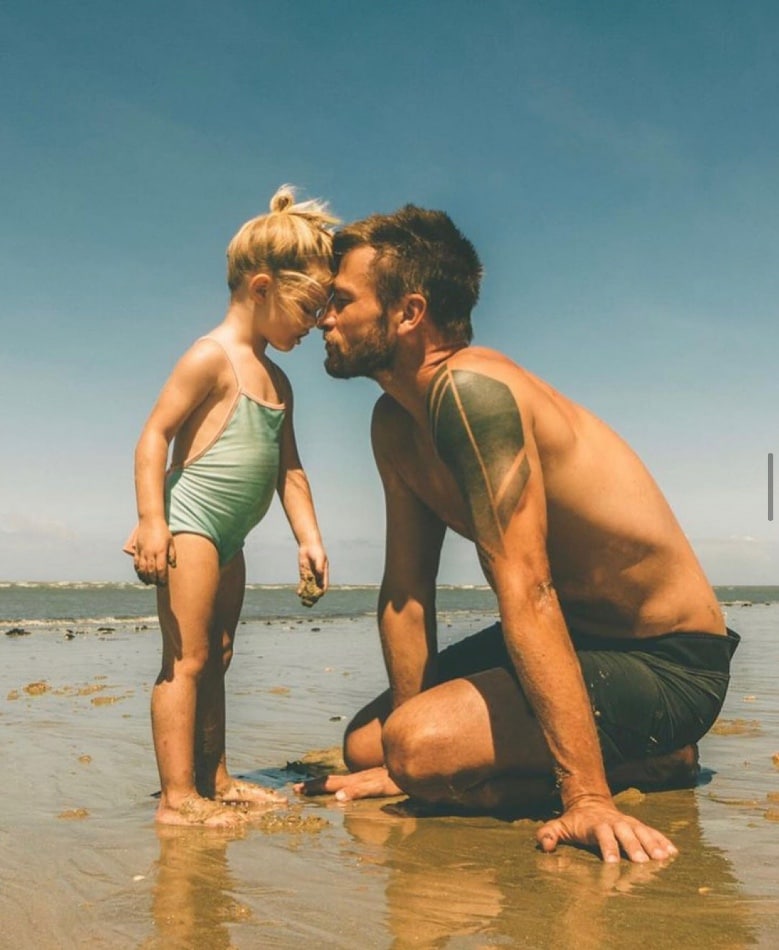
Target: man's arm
x: 406, y: 610
x: 479, y: 434
x: 414, y: 535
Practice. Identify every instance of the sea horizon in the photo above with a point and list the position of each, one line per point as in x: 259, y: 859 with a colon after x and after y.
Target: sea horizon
x: 54, y: 603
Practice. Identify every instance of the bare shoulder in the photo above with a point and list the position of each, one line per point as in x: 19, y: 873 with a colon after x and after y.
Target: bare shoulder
x: 483, y: 363
x: 484, y: 381
x: 489, y: 361
x: 204, y: 361
x: 544, y: 409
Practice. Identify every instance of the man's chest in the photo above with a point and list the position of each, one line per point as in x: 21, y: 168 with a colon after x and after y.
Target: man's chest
x: 432, y: 482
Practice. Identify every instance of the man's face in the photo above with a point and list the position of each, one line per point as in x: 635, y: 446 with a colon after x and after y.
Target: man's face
x: 355, y: 327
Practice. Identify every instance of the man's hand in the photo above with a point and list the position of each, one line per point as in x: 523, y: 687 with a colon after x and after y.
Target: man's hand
x: 600, y: 824
x: 370, y: 783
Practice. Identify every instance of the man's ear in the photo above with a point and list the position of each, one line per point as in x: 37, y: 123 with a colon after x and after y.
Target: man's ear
x: 259, y: 285
x: 414, y: 310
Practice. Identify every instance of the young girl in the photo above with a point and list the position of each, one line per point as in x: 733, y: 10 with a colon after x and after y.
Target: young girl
x: 229, y: 409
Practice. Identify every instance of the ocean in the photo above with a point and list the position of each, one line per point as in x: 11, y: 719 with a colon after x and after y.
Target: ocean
x: 53, y: 604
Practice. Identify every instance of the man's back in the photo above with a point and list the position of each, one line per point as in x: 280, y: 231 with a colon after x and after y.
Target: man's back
x: 618, y: 558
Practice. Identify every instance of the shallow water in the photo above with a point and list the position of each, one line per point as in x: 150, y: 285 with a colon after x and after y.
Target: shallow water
x: 84, y: 865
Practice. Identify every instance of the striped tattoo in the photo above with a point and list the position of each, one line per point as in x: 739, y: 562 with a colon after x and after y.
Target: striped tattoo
x: 478, y: 433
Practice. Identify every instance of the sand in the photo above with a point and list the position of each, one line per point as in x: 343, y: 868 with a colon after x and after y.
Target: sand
x: 85, y: 866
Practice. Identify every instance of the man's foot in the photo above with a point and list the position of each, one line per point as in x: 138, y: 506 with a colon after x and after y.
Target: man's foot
x: 678, y: 769
x: 201, y: 812
x: 238, y: 792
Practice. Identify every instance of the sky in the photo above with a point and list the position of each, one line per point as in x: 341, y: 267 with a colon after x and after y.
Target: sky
x: 615, y: 162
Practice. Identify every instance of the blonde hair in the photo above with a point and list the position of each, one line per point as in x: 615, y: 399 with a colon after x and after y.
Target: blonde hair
x: 290, y: 243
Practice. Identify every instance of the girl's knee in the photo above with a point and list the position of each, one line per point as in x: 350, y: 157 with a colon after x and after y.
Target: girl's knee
x: 192, y: 664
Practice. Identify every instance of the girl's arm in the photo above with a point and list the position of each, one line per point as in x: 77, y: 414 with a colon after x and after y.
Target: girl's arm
x: 191, y: 381
x: 298, y: 504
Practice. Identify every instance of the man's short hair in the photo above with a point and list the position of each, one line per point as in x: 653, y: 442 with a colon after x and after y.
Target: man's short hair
x: 420, y: 251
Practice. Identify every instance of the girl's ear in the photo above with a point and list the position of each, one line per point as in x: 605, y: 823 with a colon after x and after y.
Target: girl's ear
x: 259, y: 285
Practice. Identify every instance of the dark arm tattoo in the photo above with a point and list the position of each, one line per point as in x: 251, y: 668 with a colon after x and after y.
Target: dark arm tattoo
x: 477, y: 431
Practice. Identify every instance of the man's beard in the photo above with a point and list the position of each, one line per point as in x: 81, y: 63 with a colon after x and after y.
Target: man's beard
x: 369, y: 356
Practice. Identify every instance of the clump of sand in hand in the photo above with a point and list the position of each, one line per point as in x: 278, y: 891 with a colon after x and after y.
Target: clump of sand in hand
x: 309, y: 591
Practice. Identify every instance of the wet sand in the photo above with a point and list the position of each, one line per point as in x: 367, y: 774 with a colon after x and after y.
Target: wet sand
x: 85, y: 866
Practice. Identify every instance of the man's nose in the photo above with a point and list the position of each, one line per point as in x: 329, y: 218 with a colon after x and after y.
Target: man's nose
x: 324, y: 317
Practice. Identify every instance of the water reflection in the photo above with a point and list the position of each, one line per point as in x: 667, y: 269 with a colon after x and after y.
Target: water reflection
x: 192, y: 901
x: 476, y: 877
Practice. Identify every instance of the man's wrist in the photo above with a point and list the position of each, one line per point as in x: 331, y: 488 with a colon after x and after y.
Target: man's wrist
x: 573, y: 791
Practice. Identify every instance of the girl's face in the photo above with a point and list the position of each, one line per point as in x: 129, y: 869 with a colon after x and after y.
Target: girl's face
x: 295, y: 309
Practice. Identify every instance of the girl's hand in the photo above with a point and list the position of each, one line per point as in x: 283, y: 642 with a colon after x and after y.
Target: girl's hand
x: 314, y: 573
x: 155, y: 552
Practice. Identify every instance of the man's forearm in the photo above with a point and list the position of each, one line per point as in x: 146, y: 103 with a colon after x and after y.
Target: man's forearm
x: 549, y: 671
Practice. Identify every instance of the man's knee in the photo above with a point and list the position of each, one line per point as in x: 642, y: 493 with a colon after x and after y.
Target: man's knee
x: 414, y: 750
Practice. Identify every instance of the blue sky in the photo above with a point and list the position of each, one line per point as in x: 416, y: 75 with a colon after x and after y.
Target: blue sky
x: 615, y: 163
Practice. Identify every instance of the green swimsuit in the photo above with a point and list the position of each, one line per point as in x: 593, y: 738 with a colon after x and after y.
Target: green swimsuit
x: 225, y: 490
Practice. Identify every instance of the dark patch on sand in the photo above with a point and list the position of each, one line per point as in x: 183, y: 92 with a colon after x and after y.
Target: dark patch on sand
x: 74, y: 814
x: 37, y: 688
x: 319, y: 762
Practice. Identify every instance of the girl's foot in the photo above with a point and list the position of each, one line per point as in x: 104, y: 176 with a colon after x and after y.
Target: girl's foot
x: 201, y: 812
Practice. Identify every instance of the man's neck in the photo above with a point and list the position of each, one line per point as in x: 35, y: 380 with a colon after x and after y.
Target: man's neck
x: 408, y: 380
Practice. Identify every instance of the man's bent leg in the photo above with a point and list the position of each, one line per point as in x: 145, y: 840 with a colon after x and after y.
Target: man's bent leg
x: 455, y: 737
x: 474, y: 742
x: 362, y: 747
x: 363, y: 737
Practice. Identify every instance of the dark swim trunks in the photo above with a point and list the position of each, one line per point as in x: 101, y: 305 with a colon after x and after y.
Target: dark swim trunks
x: 649, y: 696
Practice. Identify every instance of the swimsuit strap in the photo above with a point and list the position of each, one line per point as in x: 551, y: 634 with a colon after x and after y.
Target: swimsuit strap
x: 223, y: 348
x: 274, y: 372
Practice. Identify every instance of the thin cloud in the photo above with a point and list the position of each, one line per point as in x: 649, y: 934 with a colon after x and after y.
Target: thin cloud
x: 634, y: 144
x: 38, y: 528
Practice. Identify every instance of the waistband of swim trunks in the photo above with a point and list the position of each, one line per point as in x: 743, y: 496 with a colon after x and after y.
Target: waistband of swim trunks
x: 692, y: 649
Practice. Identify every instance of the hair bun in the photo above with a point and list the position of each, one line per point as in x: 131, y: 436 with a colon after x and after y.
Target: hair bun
x: 284, y: 199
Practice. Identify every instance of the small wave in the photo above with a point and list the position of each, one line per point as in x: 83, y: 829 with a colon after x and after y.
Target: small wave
x: 76, y: 621
x: 72, y: 585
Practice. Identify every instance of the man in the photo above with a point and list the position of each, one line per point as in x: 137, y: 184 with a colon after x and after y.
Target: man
x: 611, y: 653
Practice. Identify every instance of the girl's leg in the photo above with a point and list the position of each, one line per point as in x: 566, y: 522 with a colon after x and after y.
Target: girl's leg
x: 186, y: 610
x: 213, y: 779
x: 210, y: 766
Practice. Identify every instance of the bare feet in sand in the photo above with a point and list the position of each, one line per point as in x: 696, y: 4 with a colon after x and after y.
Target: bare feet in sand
x: 240, y: 792
x: 678, y: 769
x: 201, y: 812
